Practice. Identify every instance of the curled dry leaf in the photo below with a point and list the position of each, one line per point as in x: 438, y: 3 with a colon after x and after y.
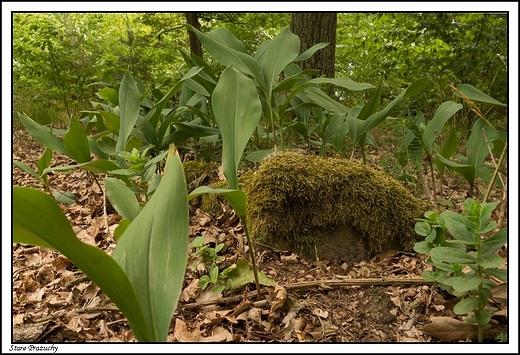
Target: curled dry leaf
x: 449, y: 329
x: 182, y: 334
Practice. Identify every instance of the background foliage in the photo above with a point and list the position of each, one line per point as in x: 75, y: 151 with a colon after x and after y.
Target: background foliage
x: 61, y: 60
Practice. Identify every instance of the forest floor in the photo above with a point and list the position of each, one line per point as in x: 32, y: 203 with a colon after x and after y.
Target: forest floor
x: 378, y: 301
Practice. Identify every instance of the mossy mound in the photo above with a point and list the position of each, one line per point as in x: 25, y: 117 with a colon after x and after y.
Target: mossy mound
x: 199, y: 173
x: 297, y: 201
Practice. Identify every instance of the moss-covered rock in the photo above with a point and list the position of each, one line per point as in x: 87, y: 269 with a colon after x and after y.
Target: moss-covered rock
x: 199, y: 173
x: 339, y: 207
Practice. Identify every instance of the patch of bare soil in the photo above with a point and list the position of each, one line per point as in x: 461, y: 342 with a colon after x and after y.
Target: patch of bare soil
x: 382, y: 300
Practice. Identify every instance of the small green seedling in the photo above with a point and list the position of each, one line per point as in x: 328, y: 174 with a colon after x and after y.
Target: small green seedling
x: 464, y: 264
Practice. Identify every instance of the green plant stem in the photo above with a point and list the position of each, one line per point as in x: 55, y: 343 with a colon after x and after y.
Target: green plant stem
x: 253, y: 259
x: 495, y: 173
x: 433, y: 181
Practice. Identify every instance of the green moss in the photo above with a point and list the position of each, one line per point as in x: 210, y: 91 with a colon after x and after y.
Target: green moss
x: 294, y: 198
x: 199, y: 173
x: 211, y: 203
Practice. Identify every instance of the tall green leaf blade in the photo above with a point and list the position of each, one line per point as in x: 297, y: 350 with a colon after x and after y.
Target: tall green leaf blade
x: 417, y: 86
x: 153, y: 250
x: 373, y: 104
x: 475, y: 94
x: 122, y: 198
x: 45, y: 160
x: 284, y: 48
x: 129, y: 106
x: 477, y: 145
x: 323, y: 100
x: 448, y: 149
x: 237, y: 110
x: 26, y: 168
x: 224, y: 36
x: 310, y: 52
x: 236, y: 198
x: 343, y: 82
x: 76, y: 142
x: 42, y: 135
x: 38, y: 220
x: 435, y: 126
x: 227, y: 55
x: 465, y: 170
x: 332, y: 129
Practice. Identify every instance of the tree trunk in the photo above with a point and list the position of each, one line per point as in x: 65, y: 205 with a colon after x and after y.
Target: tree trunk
x: 313, y: 28
x: 195, y: 47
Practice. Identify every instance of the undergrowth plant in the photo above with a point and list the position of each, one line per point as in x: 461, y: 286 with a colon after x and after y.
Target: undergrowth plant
x: 145, y: 274
x: 465, y: 260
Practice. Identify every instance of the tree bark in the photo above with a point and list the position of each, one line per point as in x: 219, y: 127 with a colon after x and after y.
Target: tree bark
x: 314, y: 28
x: 195, y: 47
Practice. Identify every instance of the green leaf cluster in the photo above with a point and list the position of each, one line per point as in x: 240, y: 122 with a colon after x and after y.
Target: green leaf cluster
x: 465, y: 260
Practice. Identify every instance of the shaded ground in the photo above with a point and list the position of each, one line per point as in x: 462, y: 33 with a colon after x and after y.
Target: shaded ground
x: 53, y: 302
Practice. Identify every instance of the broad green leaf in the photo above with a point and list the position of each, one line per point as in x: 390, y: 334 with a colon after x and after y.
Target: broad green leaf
x: 45, y: 160
x: 129, y: 106
x: 65, y: 197
x: 343, y: 82
x: 76, y: 142
x: 258, y: 155
x: 422, y: 247
x: 236, y: 198
x: 100, y: 166
x: 224, y: 36
x: 153, y: 250
x: 452, y: 255
x: 323, y: 100
x: 423, y: 228
x: 26, y: 168
x: 474, y: 94
x: 483, y: 316
x: 332, y: 129
x: 118, y: 232
x: 417, y: 86
x: 459, y: 226
x: 477, y: 146
x: 154, y: 114
x: 465, y: 170
x: 243, y: 274
x: 490, y: 261
x: 289, y: 82
x: 122, y: 198
x: 495, y: 242
x: 310, y: 52
x: 226, y: 55
x: 38, y: 220
x: 466, y: 305
x: 42, y: 135
x: 372, y: 105
x: 109, y: 95
x: 284, y: 48
x: 111, y: 121
x: 464, y: 283
x: 498, y: 273
x: 447, y: 150
x: 237, y: 110
x: 435, y: 126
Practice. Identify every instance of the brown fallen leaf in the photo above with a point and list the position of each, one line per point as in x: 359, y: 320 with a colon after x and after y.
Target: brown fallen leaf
x: 449, y: 329
x: 182, y: 334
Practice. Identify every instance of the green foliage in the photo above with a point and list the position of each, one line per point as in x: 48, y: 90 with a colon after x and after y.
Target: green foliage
x: 467, y: 249
x: 145, y: 275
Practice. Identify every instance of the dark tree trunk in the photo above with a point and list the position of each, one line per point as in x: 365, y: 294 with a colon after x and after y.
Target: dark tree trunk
x: 193, y: 19
x: 313, y: 28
